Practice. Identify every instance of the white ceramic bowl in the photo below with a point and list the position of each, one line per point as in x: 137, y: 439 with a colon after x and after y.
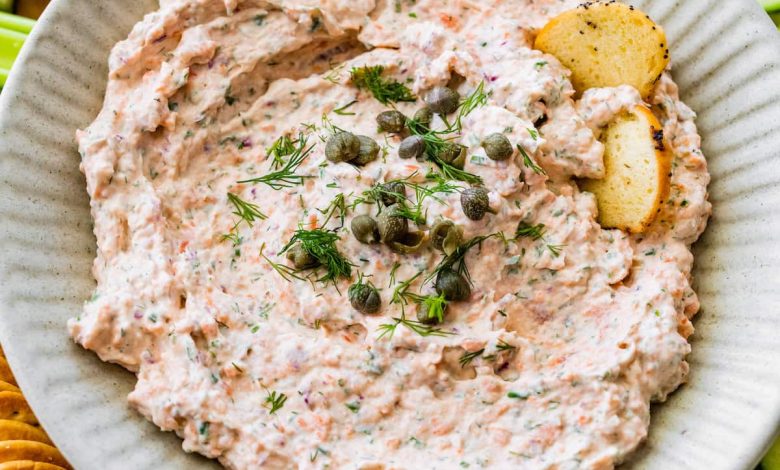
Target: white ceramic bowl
x: 727, y: 61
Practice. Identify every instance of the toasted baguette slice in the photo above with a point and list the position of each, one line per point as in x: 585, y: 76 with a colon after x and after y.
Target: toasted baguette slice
x: 606, y: 45
x: 637, y: 172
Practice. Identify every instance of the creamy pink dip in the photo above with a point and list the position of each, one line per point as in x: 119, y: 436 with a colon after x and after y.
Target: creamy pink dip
x: 578, y: 331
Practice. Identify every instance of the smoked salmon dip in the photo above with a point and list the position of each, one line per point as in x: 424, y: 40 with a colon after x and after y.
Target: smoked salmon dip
x: 349, y: 235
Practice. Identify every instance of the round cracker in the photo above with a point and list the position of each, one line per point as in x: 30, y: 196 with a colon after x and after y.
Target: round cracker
x: 18, y: 431
x: 5, y: 372
x: 11, y: 451
x: 6, y: 387
x: 13, y: 406
x: 28, y: 465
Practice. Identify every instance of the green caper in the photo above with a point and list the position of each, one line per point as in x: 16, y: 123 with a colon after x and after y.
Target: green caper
x: 365, y: 229
x: 391, y: 225
x: 393, y: 192
x: 391, y: 121
x: 364, y: 298
x: 424, y: 316
x: 409, y: 243
x: 475, y: 202
x: 411, y: 147
x: 301, y: 259
x: 497, y: 147
x: 453, y: 154
x: 446, y: 236
x: 454, y: 286
x: 369, y: 151
x: 442, y: 100
x: 342, y: 147
x: 424, y: 117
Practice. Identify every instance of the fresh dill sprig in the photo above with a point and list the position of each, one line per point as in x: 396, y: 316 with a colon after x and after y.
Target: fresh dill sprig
x: 282, y: 147
x: 437, y: 140
x: 414, y: 211
x: 334, y: 75
x: 455, y: 173
x: 321, y: 244
x: 233, y: 236
x: 457, y: 259
x: 337, y: 207
x: 401, y: 291
x: 331, y: 128
x: 287, y: 273
x: 504, y: 346
x: 286, y: 177
x: 556, y: 249
x: 466, y: 358
x: 247, y: 211
x: 534, y: 232
x: 433, y: 304
x: 274, y: 401
x: 393, y: 271
x: 529, y: 163
x: 342, y: 111
x: 384, y: 90
x: 388, y: 329
x: 476, y: 99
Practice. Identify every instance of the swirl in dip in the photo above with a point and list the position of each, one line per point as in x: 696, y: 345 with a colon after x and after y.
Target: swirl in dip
x: 568, y: 334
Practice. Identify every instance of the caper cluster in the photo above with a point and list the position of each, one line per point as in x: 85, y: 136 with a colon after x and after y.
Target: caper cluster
x: 347, y: 147
x: 390, y: 227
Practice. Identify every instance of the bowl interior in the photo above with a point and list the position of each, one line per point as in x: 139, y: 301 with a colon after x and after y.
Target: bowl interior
x: 727, y: 62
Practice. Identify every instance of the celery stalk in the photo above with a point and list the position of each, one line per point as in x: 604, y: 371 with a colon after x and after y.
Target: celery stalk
x: 770, y: 5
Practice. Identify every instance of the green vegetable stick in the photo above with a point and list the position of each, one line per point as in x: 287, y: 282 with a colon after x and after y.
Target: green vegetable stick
x: 15, y: 22
x: 10, y: 44
x: 770, y: 5
x: 772, y: 459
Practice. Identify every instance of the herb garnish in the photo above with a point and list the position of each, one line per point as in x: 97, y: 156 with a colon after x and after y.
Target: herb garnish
x: 287, y: 273
x: 534, y: 232
x: 529, y: 163
x: 247, y: 212
x: 408, y: 210
x: 342, y: 110
x: 556, y: 249
x: 518, y: 396
x: 466, y: 358
x: 321, y: 244
x: 337, y: 207
x: 385, y: 91
x: 401, y: 296
x: 353, y: 407
x: 456, y: 260
x: 275, y: 401
x: 282, y: 147
x: 437, y: 140
x: 388, y: 329
x: 286, y: 177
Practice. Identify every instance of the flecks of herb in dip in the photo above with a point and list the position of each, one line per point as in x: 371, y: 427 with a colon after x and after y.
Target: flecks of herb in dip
x: 568, y: 333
